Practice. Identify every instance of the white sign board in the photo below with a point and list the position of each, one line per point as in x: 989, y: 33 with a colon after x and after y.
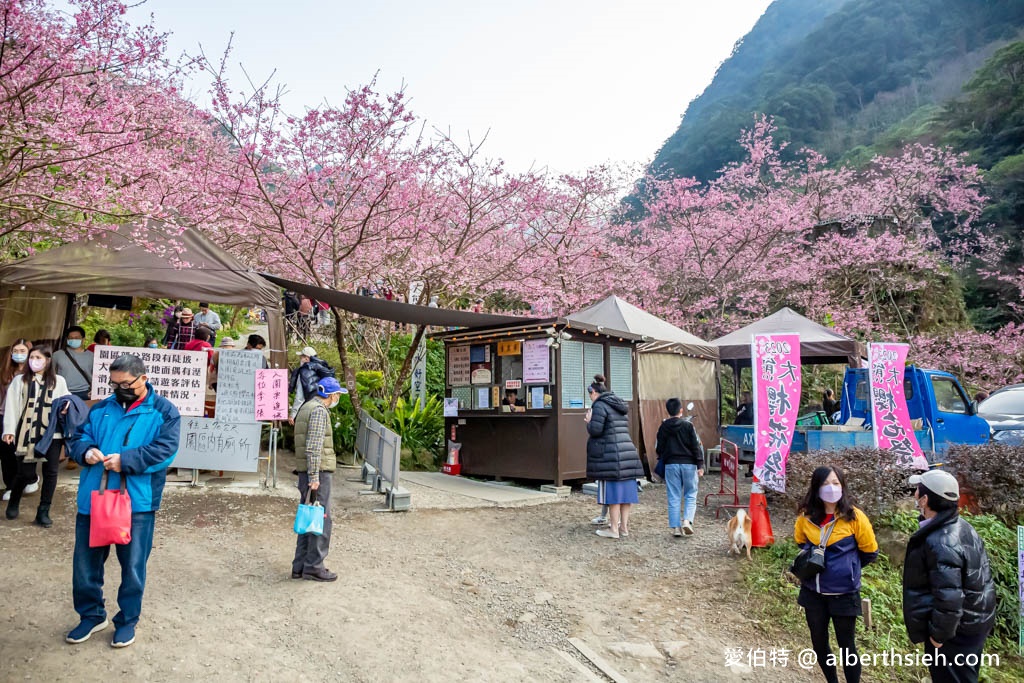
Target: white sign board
x: 236, y: 384
x: 536, y: 361
x: 178, y: 376
x: 211, y: 444
x: 458, y: 366
x: 451, y: 406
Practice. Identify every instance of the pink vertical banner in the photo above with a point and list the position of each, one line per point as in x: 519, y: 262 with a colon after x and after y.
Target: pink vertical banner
x: 890, y: 418
x: 776, y: 370
x: 271, y: 395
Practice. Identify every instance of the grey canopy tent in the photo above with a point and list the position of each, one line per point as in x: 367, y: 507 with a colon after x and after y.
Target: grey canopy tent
x: 671, y: 363
x: 37, y: 289
x: 818, y: 344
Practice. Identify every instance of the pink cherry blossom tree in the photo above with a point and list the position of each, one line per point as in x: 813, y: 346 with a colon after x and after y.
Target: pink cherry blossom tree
x: 92, y: 129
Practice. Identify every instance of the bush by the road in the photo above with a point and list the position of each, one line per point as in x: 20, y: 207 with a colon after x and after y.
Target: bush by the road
x: 873, y: 481
x: 994, y: 474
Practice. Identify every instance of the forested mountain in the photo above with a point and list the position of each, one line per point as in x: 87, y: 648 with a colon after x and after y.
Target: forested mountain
x: 836, y: 74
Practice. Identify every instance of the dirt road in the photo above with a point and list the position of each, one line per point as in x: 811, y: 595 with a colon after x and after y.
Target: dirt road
x: 428, y: 595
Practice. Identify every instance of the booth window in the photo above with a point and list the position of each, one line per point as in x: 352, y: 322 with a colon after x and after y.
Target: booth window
x: 580, y: 362
x: 621, y: 375
x: 573, y: 389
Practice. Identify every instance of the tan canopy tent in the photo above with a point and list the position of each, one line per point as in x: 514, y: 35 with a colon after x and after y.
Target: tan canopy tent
x: 671, y: 363
x: 36, y: 290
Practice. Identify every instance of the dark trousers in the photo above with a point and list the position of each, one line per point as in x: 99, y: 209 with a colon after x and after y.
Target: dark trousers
x: 946, y: 670
x: 818, y: 615
x: 27, y: 475
x: 9, y: 464
x: 311, y: 550
x: 87, y: 574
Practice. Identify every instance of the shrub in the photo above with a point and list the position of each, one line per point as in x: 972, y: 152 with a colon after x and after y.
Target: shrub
x: 421, y: 429
x: 876, y: 484
x: 993, y: 474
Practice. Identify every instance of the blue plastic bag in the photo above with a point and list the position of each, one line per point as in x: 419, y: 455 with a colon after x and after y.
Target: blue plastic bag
x: 309, y: 518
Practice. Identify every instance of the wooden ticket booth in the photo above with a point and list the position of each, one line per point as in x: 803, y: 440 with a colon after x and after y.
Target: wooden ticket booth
x: 549, y: 364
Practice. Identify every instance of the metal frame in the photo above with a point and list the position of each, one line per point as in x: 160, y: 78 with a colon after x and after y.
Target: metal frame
x: 381, y: 450
x: 730, y: 463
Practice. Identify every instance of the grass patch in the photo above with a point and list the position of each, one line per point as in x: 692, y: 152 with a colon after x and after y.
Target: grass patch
x: 776, y: 609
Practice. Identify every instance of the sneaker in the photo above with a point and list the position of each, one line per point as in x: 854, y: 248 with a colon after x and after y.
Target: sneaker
x: 32, y: 488
x: 606, y: 533
x: 296, y: 575
x: 688, y: 528
x: 676, y: 532
x: 7, y: 494
x: 123, y: 636
x: 85, y: 629
x: 596, y: 521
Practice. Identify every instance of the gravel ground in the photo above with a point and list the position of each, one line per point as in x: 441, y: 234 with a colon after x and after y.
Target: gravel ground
x: 479, y: 594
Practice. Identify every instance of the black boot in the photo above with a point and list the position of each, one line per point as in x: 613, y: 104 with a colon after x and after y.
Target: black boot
x: 12, y: 506
x: 43, y: 516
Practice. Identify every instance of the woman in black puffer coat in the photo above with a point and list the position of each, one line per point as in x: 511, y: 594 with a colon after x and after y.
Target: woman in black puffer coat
x: 612, y: 459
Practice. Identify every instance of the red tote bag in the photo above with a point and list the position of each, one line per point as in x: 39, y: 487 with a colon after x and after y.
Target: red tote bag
x: 110, y: 521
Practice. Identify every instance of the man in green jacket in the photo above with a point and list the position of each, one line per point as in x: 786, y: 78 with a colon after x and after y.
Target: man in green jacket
x: 314, y: 451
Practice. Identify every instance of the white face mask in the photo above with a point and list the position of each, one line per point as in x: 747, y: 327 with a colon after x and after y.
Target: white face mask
x: 831, y: 493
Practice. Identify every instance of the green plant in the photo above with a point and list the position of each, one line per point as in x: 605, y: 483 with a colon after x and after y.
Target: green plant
x: 421, y: 428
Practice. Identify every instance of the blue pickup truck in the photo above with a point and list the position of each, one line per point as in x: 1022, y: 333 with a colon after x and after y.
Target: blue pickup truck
x: 947, y: 416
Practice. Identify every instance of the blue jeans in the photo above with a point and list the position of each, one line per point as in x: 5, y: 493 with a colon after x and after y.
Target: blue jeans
x: 681, y: 482
x: 87, y: 576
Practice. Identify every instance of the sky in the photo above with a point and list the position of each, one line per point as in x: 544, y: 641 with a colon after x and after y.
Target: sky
x: 557, y: 84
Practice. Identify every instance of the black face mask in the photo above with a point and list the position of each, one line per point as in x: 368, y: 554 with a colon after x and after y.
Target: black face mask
x: 125, y: 395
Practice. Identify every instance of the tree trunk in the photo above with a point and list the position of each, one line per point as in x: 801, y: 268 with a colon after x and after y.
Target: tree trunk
x: 340, y: 320
x: 396, y: 390
x: 234, y: 316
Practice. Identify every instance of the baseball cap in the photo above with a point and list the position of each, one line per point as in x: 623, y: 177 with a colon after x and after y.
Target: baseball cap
x: 328, y: 386
x: 940, y: 482
x: 307, y: 351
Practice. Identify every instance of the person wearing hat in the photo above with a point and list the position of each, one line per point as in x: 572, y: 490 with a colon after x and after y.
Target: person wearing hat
x: 182, y: 331
x: 304, y: 378
x: 949, y: 599
x: 315, y: 461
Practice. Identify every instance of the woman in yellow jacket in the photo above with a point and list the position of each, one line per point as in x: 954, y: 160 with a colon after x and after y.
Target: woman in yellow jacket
x: 834, y: 594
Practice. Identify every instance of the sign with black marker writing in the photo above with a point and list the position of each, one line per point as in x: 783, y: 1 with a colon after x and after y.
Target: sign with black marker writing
x: 236, y: 384
x: 212, y: 444
x: 178, y: 376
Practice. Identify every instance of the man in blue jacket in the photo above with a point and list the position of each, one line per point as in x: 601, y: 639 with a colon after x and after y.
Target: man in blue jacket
x: 132, y: 434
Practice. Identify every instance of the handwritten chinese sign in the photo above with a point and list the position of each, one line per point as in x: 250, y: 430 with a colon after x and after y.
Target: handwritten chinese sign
x: 776, y: 404
x: 178, y: 376
x: 236, y: 384
x: 212, y: 444
x: 271, y: 394
x: 890, y: 418
x: 458, y: 366
x: 536, y: 361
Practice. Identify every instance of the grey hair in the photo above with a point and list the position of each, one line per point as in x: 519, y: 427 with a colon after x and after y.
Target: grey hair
x: 129, y: 363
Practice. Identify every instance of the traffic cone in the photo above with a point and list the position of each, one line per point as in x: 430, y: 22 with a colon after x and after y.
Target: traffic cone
x: 761, y: 535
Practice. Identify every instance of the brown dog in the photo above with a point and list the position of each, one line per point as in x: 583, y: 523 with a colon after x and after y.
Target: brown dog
x: 739, y: 533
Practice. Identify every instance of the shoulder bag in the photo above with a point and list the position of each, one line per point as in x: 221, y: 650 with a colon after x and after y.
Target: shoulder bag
x: 811, y: 561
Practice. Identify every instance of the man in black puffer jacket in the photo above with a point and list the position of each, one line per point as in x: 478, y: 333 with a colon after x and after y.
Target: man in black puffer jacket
x: 949, y: 599
x: 304, y: 379
x: 612, y: 459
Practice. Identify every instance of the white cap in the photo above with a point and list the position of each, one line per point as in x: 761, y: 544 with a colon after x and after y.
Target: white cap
x: 940, y: 482
x: 227, y: 343
x: 308, y: 351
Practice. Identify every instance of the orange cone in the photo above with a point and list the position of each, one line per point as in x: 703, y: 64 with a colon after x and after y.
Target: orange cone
x: 761, y: 535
